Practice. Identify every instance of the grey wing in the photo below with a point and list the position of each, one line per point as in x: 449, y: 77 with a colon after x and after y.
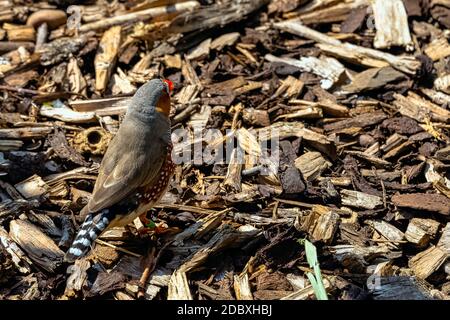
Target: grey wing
x: 120, y: 175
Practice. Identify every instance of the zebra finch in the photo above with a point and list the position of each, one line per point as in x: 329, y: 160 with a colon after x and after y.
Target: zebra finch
x: 135, y: 170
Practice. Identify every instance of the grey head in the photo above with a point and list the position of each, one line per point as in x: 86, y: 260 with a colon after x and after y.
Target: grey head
x: 146, y: 98
x: 147, y: 114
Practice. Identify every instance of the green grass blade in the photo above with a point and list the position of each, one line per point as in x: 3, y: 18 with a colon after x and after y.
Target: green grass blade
x: 316, y: 279
x: 311, y: 254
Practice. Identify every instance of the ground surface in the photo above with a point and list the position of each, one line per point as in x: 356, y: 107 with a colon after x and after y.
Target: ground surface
x: 352, y: 96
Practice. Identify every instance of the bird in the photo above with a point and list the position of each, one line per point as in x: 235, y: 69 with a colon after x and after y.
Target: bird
x: 135, y: 170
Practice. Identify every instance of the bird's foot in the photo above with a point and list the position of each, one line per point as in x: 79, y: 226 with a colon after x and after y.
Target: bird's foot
x: 149, y: 225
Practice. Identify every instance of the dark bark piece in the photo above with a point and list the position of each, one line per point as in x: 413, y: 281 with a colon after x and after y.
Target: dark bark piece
x: 67, y: 233
x: 130, y: 266
x: 7, y: 46
x: 226, y: 87
x: 61, y: 147
x: 354, y: 234
x: 401, y: 125
x: 373, y: 79
x: 283, y: 248
x: 273, y: 281
x: 413, y: 172
x: 283, y: 69
x: 441, y: 14
x: 23, y: 164
x: 421, y: 136
x: 216, y: 15
x: 106, y: 282
x: 413, y: 7
x: 289, y: 154
x: 362, y: 121
x: 407, y: 187
x: 426, y: 73
x: 354, y: 20
x: 219, y: 100
x: 423, y: 201
x: 45, y: 223
x: 352, y: 167
x: 128, y: 54
x: 61, y: 49
x: 428, y: 149
x: 292, y: 181
x: 9, y: 209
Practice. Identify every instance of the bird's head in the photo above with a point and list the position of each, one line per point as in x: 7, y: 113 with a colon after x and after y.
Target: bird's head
x: 152, y: 98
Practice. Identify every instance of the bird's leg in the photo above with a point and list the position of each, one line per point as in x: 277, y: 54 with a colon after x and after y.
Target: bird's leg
x: 144, y: 219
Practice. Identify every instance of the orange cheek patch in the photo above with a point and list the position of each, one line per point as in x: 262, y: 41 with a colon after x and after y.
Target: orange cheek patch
x: 163, y: 104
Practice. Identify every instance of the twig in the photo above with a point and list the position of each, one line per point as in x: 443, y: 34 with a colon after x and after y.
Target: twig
x: 139, y: 16
x: 184, y: 114
x: 295, y: 203
x: 149, y: 268
x: 189, y: 208
x: 37, y: 93
x: 117, y: 248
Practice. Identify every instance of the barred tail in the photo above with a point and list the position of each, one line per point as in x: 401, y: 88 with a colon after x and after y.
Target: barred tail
x: 91, y: 228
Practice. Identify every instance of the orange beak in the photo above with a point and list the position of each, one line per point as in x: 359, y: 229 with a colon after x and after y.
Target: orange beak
x: 169, y: 84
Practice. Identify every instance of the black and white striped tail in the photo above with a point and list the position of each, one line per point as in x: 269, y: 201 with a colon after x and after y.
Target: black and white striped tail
x: 91, y: 228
